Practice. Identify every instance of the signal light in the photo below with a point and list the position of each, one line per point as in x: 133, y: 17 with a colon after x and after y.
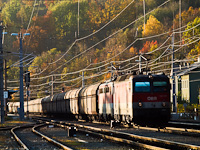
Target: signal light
x: 27, y: 78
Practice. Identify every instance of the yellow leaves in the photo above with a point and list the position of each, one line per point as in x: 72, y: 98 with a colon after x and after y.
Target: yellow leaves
x: 152, y: 27
x: 153, y: 47
x: 132, y: 50
x: 194, y: 51
x: 108, y: 55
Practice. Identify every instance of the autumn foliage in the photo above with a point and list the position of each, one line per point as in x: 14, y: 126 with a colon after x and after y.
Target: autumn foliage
x: 149, y: 46
x: 56, y: 33
x: 152, y: 27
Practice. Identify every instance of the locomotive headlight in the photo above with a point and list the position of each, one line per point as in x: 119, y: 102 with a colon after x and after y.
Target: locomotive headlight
x: 140, y: 104
x: 163, y: 104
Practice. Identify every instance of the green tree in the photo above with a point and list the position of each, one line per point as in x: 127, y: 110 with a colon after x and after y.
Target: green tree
x: 24, y: 15
x: 41, y: 62
x: 12, y: 72
x: 65, y: 14
x: 189, y: 36
x: 10, y: 11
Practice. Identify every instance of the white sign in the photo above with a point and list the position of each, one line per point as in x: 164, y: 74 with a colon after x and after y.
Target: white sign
x: 5, y: 94
x: 152, y: 98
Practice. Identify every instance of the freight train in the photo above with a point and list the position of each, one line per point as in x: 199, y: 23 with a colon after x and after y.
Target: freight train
x: 138, y: 99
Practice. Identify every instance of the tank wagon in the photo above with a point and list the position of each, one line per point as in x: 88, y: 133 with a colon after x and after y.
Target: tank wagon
x: 130, y: 98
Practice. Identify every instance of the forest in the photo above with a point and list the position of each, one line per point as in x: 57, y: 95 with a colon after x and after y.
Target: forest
x: 72, y: 38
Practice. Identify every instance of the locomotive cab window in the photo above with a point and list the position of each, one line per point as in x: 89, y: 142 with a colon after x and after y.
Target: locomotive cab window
x: 142, y: 87
x: 159, y: 86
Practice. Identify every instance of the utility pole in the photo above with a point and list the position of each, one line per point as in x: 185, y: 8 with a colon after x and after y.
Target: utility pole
x: 180, y: 22
x: 52, y: 85
x: 1, y: 76
x: 21, y: 111
x: 5, y: 85
x: 83, y: 84
x: 173, y: 78
x: 140, y: 62
x: 21, y: 79
x: 78, y: 18
x: 111, y: 71
x: 144, y: 14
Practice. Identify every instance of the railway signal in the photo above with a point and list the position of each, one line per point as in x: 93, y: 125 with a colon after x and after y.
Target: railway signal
x: 27, y: 78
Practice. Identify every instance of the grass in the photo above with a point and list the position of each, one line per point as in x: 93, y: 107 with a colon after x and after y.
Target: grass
x: 71, y: 143
x: 9, y: 121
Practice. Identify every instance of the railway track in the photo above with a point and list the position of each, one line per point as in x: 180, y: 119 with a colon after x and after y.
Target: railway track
x: 193, y: 125
x: 30, y: 141
x: 173, y: 130
x: 139, y: 138
x: 81, y: 139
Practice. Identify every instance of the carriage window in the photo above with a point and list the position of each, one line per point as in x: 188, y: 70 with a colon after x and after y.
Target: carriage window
x: 106, y: 89
x: 142, y: 86
x: 100, y: 91
x: 159, y: 86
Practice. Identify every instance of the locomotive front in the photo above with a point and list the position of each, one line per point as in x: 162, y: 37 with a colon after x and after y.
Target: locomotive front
x: 151, y: 99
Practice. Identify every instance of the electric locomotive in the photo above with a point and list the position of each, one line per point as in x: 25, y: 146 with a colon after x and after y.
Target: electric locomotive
x: 151, y: 99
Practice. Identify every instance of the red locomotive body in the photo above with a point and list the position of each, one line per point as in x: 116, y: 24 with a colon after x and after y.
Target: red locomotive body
x: 151, y: 99
x: 142, y: 99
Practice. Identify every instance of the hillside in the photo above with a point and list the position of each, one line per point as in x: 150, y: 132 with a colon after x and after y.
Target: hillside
x: 68, y: 38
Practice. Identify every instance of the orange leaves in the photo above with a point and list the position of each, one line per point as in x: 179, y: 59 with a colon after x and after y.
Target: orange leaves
x: 108, y: 76
x: 149, y: 46
x: 44, y: 65
x: 187, y: 16
x: 95, y: 61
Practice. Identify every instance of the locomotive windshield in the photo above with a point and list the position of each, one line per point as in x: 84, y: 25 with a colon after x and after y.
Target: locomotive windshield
x: 142, y: 87
x: 159, y: 86
x: 155, y: 86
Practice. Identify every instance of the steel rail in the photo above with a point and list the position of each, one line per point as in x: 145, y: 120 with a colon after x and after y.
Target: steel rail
x: 122, y: 140
x: 50, y: 139
x: 143, y: 138
x: 116, y: 139
x: 153, y: 141
x: 17, y: 138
